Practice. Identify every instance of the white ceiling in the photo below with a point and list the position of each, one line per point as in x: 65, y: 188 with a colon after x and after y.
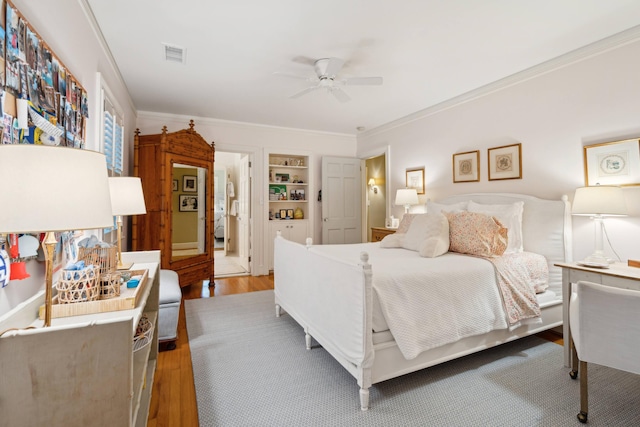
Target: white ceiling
x: 427, y: 51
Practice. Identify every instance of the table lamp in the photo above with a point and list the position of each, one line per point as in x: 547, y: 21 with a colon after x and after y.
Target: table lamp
x: 48, y: 189
x: 126, y: 199
x: 406, y: 197
x: 597, y: 202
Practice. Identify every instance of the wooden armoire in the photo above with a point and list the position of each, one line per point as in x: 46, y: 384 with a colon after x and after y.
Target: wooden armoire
x: 176, y: 169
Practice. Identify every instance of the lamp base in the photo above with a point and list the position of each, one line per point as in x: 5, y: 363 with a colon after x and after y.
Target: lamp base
x: 595, y: 261
x: 124, y: 266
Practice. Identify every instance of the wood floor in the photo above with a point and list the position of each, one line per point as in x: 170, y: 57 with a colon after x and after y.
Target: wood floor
x: 173, y: 400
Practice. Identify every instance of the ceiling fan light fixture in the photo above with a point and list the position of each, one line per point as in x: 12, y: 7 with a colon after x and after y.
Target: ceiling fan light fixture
x: 327, y: 70
x: 174, y: 53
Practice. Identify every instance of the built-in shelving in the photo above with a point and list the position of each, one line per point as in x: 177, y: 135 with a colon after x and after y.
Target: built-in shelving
x: 289, y: 198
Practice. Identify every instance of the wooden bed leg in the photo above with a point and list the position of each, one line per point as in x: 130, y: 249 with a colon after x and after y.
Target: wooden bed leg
x: 307, y: 339
x: 278, y: 311
x: 364, y: 399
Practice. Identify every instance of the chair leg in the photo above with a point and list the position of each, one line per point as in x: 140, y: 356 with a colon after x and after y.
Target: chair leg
x: 574, y: 362
x: 584, y: 394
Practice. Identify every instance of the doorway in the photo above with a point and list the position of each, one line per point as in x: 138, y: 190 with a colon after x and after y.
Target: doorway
x: 232, y: 201
x: 376, y: 197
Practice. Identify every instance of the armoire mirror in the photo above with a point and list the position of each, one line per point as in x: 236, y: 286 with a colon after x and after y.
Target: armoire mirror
x: 188, y: 214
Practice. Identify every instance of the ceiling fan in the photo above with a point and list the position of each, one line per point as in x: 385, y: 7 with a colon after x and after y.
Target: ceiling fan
x: 326, y: 78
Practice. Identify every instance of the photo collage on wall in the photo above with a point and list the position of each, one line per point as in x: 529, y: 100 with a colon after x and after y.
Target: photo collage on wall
x: 56, y: 103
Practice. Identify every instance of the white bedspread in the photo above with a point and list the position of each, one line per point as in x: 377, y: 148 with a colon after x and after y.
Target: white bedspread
x: 429, y: 302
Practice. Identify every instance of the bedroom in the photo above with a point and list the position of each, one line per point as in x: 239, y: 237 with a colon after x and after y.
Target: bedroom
x: 553, y: 111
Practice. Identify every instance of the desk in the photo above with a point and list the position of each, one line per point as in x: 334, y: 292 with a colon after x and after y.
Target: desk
x: 619, y: 275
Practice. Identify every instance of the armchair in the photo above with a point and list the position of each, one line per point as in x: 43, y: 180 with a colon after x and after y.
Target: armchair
x: 605, y: 326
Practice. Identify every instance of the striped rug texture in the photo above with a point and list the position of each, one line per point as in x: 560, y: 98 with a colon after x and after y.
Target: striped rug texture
x: 252, y: 369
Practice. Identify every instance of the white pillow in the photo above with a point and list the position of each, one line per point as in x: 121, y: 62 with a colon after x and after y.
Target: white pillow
x: 433, y: 207
x: 510, y: 215
x: 392, y: 240
x: 428, y: 234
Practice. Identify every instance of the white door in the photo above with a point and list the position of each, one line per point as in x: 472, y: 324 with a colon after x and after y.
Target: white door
x: 244, y: 210
x: 341, y: 200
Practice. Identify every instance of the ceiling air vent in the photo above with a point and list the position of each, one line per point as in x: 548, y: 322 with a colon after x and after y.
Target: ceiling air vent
x: 173, y: 53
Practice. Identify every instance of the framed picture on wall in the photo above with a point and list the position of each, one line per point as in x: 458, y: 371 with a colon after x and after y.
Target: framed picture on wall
x: 505, y: 162
x: 415, y: 179
x: 188, y: 203
x: 466, y: 166
x: 175, y: 185
x: 189, y: 184
x: 612, y: 163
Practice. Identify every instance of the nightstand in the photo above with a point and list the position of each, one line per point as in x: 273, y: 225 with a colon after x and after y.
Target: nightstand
x: 378, y: 233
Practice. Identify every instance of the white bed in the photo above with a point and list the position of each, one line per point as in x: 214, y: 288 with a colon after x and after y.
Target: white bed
x: 329, y: 291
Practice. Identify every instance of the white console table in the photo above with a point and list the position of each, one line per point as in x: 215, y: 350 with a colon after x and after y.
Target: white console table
x: 81, y: 370
x: 618, y: 275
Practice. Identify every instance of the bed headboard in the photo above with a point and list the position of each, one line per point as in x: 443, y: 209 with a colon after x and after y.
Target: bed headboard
x: 546, y: 226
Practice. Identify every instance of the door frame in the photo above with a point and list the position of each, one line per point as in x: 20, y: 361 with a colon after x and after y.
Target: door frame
x: 256, y: 227
x: 387, y: 184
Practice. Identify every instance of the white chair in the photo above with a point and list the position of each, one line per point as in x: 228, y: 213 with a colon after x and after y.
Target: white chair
x: 605, y: 326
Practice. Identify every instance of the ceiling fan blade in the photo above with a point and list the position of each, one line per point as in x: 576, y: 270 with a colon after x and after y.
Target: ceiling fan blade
x: 304, y: 92
x: 333, y: 67
x: 300, y: 59
x: 340, y: 94
x: 295, y: 76
x: 361, y: 81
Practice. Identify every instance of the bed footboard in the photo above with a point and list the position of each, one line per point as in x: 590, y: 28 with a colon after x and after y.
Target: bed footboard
x: 331, y: 299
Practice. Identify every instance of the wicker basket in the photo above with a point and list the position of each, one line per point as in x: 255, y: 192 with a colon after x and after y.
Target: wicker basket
x: 144, y: 333
x: 105, y: 258
x: 110, y: 285
x: 79, y: 285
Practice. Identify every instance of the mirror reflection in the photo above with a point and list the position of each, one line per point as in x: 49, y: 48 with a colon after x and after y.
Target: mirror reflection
x: 188, y: 211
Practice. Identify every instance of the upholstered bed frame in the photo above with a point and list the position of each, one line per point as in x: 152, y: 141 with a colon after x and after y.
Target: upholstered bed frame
x: 332, y: 298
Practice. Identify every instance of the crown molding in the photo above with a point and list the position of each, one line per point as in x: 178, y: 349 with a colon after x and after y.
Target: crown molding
x: 237, y: 124
x: 93, y: 23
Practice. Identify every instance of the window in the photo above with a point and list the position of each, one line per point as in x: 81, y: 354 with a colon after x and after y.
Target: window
x: 112, y: 139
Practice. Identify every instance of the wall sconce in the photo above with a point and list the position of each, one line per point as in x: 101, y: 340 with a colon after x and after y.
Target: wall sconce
x: 372, y: 185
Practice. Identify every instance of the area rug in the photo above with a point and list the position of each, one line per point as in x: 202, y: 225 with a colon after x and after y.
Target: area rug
x: 252, y: 369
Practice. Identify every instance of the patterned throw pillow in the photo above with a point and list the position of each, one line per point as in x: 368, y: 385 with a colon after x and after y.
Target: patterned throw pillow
x: 476, y: 234
x: 510, y: 215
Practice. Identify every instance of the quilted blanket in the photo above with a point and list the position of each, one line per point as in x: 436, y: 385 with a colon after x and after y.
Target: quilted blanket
x: 438, y: 301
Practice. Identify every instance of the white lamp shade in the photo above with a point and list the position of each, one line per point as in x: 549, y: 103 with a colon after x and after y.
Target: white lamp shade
x: 371, y: 182
x: 605, y: 200
x: 126, y: 196
x: 406, y: 196
x: 48, y: 188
